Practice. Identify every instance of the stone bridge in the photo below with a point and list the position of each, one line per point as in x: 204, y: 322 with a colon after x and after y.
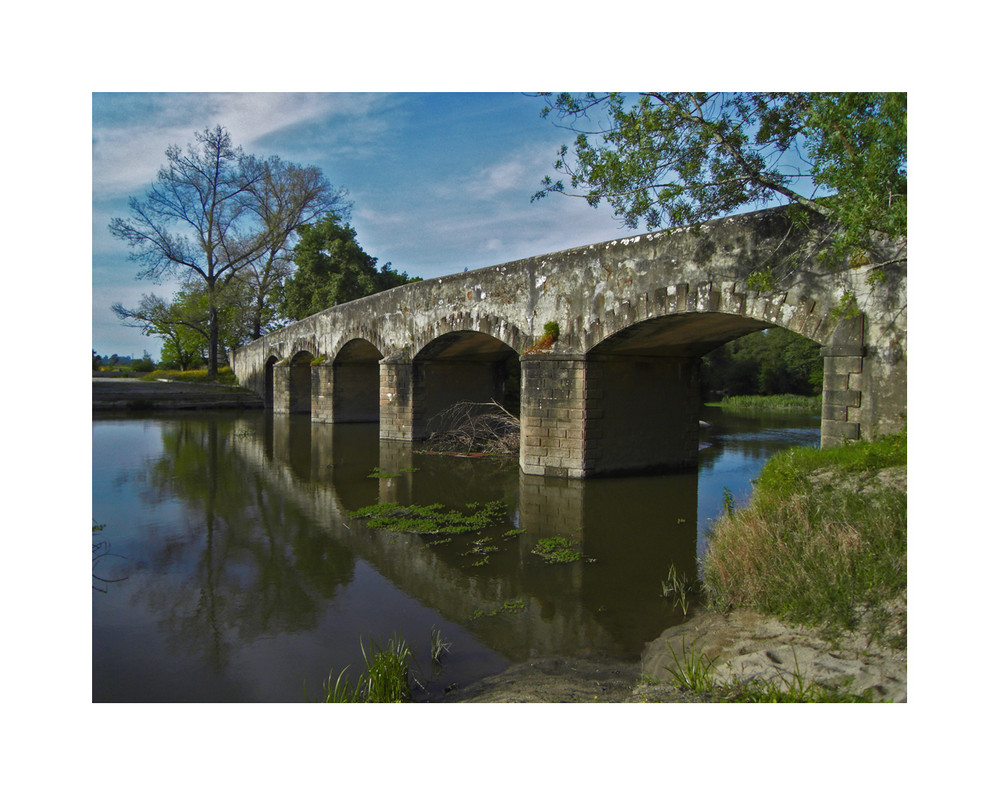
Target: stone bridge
x: 618, y: 390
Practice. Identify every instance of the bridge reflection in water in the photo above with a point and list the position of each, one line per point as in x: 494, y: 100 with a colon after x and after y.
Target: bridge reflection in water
x: 629, y: 532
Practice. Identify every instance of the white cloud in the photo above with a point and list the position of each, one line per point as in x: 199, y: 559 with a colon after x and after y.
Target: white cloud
x: 127, y: 152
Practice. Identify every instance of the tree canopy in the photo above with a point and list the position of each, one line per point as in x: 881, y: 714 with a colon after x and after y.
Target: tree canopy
x: 331, y: 268
x: 216, y: 214
x: 678, y: 158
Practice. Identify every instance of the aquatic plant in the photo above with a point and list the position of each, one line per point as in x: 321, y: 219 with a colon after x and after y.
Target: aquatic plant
x: 430, y: 519
x: 556, y: 550
x: 677, y: 587
x: 438, y: 645
x: 386, y: 679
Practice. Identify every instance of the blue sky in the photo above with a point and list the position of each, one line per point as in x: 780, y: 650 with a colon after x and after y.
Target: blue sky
x: 440, y: 181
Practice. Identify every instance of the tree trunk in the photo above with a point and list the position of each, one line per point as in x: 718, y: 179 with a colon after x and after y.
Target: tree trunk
x: 213, y: 342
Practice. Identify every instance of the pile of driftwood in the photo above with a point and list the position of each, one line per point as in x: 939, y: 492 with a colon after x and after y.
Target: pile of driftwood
x: 468, y: 427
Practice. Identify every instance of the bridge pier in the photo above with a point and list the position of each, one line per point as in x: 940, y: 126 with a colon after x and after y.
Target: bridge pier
x: 396, y: 409
x: 583, y: 416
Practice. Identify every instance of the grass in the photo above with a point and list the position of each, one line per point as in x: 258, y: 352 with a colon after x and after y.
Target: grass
x: 810, y: 402
x: 808, y: 550
x: 692, y: 671
x: 386, y: 677
x: 225, y: 376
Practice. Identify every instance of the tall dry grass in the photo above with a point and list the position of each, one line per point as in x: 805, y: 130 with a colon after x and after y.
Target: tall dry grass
x: 807, y: 551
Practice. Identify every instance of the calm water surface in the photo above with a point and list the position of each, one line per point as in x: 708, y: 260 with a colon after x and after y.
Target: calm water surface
x: 232, y: 570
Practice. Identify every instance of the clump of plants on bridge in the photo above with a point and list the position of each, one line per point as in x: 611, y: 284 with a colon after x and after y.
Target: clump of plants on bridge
x: 432, y: 519
x: 550, y: 334
x: 822, y: 541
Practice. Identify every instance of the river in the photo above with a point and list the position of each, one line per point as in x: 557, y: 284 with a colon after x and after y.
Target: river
x: 228, y: 568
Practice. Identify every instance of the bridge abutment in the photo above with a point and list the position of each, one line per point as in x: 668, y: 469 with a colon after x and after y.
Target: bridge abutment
x: 843, y: 367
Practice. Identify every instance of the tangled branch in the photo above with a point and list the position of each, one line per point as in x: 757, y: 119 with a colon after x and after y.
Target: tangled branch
x: 470, y: 427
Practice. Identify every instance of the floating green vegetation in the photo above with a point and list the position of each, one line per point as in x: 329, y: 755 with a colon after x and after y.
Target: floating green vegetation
x: 512, y: 533
x: 509, y: 607
x: 557, y: 550
x: 378, y: 472
x: 432, y: 519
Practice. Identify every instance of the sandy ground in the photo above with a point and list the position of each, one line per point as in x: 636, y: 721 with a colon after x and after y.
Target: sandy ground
x: 745, y: 645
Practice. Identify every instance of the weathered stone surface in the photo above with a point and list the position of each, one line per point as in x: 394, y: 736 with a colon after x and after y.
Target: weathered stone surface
x: 671, y: 295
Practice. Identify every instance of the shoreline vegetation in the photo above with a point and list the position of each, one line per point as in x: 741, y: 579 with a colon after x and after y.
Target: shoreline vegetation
x: 813, y: 403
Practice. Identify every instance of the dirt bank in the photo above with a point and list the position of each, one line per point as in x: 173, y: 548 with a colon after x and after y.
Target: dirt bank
x: 124, y: 393
x: 746, y: 645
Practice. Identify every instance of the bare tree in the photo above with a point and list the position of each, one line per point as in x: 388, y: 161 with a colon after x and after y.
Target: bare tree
x: 215, y: 211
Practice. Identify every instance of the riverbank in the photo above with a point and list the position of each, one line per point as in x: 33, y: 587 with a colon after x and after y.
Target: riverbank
x: 745, y: 645
x: 115, y: 394
x: 855, y: 641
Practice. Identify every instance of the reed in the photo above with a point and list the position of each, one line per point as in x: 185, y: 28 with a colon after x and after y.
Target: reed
x: 386, y: 677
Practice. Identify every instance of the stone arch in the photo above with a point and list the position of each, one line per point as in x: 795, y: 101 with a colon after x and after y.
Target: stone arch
x: 269, y: 362
x: 463, y: 366
x: 498, y: 328
x: 300, y: 381
x: 793, y: 310
x: 354, y: 382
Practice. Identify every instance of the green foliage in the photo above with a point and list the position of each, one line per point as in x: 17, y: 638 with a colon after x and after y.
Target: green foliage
x: 331, y: 268
x: 144, y: 365
x: 772, y: 362
x: 676, y: 158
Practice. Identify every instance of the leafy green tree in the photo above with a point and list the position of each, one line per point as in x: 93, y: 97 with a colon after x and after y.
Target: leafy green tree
x: 685, y: 157
x: 772, y: 362
x: 331, y: 268
x: 215, y: 211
